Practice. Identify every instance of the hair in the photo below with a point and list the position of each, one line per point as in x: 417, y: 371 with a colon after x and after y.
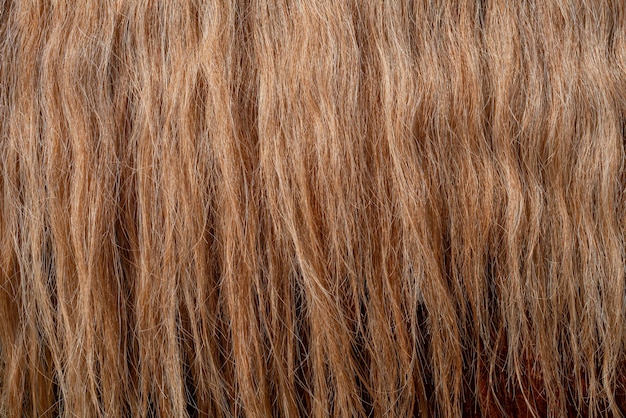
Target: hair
x: 324, y: 208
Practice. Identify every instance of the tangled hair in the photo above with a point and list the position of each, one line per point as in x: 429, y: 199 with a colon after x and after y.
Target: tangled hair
x: 255, y: 208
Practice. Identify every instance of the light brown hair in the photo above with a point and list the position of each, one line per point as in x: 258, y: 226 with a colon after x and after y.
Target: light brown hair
x: 312, y: 208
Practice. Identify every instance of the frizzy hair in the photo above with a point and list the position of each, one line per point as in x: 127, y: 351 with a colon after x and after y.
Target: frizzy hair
x: 251, y: 208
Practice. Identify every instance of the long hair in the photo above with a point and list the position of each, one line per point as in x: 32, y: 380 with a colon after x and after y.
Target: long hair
x: 325, y: 208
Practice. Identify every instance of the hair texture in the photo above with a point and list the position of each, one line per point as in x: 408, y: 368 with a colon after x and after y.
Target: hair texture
x: 324, y: 208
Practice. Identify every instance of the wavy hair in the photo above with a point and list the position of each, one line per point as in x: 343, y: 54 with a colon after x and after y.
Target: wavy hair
x: 325, y: 208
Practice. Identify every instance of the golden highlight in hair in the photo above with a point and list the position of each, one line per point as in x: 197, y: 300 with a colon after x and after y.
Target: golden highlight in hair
x: 324, y: 208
